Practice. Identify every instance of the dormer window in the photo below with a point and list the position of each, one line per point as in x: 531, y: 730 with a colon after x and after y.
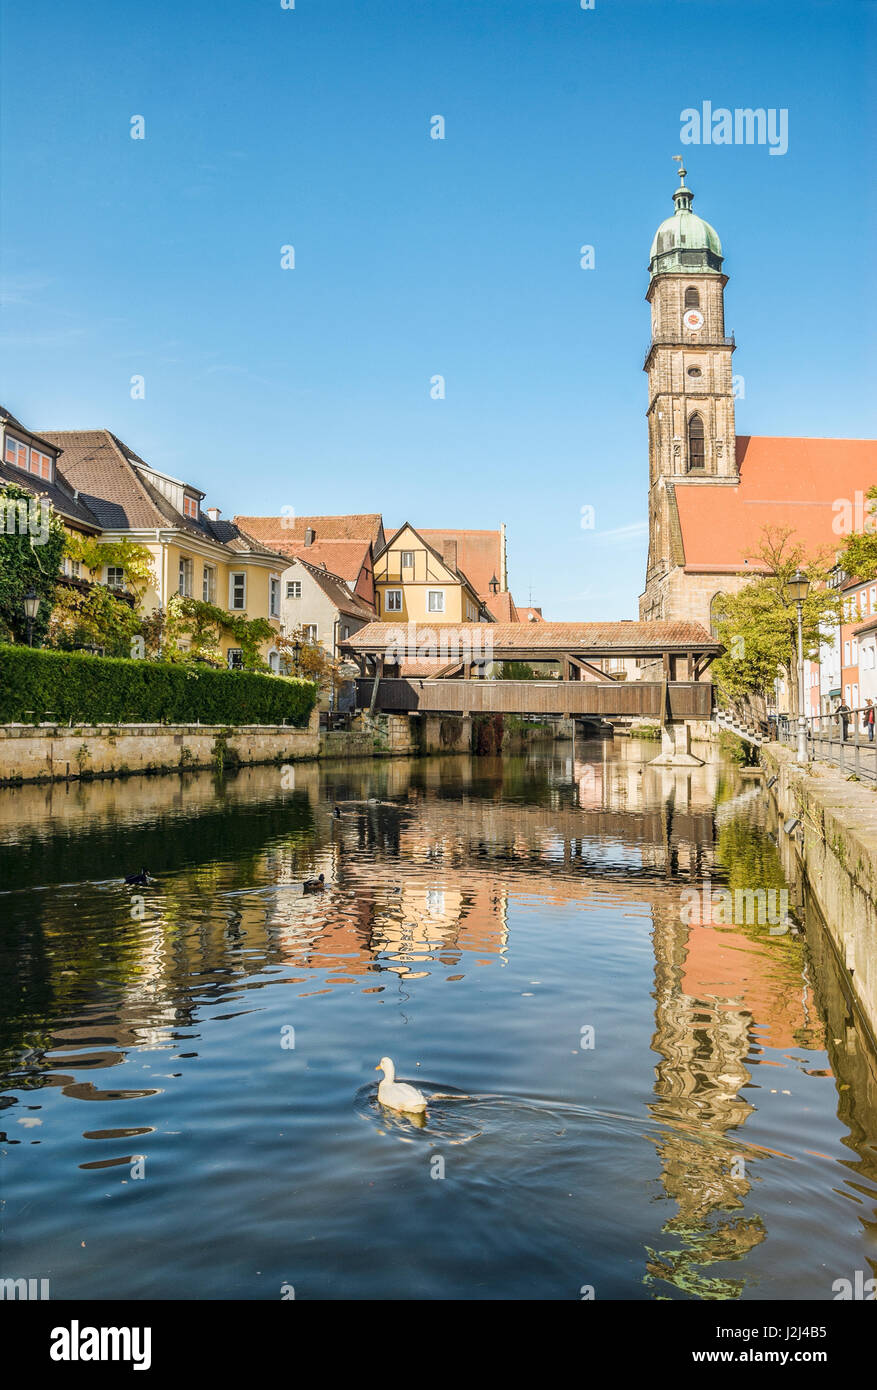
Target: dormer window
x: 30, y: 460
x: 190, y: 507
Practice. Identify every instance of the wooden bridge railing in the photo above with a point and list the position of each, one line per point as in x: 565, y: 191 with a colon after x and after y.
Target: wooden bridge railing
x: 616, y: 699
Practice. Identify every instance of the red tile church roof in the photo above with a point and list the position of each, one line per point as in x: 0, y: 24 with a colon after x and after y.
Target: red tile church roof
x: 783, y: 482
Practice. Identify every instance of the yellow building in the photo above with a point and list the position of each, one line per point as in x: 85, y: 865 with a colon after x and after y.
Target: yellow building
x: 194, y: 552
x: 416, y: 582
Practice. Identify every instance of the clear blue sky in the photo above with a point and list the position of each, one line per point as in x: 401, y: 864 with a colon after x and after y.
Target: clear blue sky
x: 310, y: 388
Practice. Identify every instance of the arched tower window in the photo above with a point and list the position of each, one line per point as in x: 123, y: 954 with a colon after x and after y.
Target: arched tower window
x: 716, y: 605
x: 696, y: 443
x: 692, y: 298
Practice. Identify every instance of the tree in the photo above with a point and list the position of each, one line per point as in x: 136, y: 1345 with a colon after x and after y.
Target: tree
x: 759, y: 627
x: 312, y: 662
x: 97, y: 615
x: 190, y: 630
x: 31, y: 550
x: 859, y: 555
x: 517, y: 671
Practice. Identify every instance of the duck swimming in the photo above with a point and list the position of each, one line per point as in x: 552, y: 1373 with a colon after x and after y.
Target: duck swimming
x: 138, y: 880
x: 314, y: 885
x: 397, y: 1095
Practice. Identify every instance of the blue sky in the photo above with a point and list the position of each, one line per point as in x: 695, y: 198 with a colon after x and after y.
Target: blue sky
x: 310, y: 388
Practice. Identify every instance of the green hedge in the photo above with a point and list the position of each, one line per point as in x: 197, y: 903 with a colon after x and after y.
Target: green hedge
x: 96, y: 689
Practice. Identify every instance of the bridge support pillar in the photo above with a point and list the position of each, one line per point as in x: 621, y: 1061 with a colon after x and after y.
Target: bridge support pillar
x: 676, y: 747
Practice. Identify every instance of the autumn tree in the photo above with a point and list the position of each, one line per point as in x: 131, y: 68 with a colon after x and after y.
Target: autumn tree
x: 759, y: 626
x: 859, y: 554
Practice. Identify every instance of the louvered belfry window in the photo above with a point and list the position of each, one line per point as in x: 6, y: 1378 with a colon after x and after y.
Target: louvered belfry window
x: 696, y: 444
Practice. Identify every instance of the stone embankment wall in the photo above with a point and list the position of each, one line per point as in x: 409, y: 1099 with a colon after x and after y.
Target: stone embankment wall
x: 58, y: 753
x: 836, y: 843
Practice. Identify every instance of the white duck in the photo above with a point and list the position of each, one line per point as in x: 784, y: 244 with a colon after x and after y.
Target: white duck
x: 397, y: 1095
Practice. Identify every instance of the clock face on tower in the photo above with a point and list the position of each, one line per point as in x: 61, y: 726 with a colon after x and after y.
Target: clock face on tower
x: 692, y: 320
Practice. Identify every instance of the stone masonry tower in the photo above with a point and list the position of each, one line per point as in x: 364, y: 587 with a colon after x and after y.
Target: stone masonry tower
x: 691, y: 400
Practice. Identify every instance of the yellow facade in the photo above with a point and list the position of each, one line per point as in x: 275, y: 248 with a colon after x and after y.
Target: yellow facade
x: 220, y: 586
x: 414, y: 584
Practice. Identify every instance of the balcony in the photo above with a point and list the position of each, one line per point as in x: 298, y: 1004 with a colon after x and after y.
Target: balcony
x: 674, y: 340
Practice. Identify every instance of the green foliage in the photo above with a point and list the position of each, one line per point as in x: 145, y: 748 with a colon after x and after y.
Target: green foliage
x: 75, y: 685
x: 24, y: 562
x: 133, y: 559
x: 859, y: 555
x: 311, y: 661
x: 94, y: 617
x: 759, y: 627
x: 98, y: 616
x: 191, y: 630
x: 517, y: 671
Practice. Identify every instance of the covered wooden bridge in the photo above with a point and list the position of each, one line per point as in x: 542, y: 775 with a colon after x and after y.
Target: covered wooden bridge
x: 603, y: 670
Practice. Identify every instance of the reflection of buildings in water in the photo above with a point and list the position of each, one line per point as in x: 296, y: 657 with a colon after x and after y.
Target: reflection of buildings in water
x: 712, y: 987
x: 442, y: 921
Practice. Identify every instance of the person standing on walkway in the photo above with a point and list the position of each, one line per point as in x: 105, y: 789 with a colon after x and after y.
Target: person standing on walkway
x: 868, y: 719
x: 843, y: 712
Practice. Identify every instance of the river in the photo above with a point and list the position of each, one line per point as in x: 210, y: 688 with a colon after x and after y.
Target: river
x: 625, y: 1097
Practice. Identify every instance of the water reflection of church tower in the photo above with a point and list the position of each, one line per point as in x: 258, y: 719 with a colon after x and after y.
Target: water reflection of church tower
x: 703, y: 1044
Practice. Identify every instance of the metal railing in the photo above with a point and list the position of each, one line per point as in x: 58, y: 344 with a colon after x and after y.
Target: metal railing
x: 831, y: 738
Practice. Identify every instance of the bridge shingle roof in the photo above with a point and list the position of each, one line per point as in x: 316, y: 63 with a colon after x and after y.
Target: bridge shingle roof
x: 547, y: 637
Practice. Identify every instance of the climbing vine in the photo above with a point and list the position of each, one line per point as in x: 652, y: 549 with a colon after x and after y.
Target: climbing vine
x: 30, y: 557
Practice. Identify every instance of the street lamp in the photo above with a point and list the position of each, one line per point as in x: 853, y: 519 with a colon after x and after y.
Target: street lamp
x: 296, y: 653
x: 31, y: 609
x: 795, y: 591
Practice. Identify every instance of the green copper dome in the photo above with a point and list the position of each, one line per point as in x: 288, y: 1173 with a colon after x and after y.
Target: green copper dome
x: 684, y: 243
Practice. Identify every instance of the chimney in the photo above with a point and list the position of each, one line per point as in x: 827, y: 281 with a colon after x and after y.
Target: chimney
x: 214, y: 513
x: 310, y: 536
x: 449, y: 554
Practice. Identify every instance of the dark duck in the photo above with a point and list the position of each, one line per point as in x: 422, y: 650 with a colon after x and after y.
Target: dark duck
x: 315, y: 885
x: 138, y: 880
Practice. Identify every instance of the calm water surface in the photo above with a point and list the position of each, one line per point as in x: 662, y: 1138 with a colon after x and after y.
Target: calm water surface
x: 162, y: 1137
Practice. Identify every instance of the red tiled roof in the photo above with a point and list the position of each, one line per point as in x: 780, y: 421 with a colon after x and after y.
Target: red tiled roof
x: 572, y: 637
x: 336, y: 590
x: 283, y: 531
x: 479, y: 555
x: 502, y: 608
x: 105, y: 472
x: 530, y: 615
x: 783, y: 483
x: 341, y: 557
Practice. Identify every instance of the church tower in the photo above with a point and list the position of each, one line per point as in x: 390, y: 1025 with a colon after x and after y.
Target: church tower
x: 691, y: 398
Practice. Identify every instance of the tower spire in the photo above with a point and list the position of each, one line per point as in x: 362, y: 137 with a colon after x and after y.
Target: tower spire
x: 682, y: 196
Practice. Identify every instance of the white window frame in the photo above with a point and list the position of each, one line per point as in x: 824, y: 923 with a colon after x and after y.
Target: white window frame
x: 191, y: 502
x: 309, y: 633
x: 208, y: 584
x: 237, y: 607
x: 20, y: 448
x: 115, y: 569
x: 407, y: 560
x: 293, y: 588
x: 437, y: 594
x: 186, y: 579
x: 392, y: 607
x: 38, y: 453
x: 234, y: 652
